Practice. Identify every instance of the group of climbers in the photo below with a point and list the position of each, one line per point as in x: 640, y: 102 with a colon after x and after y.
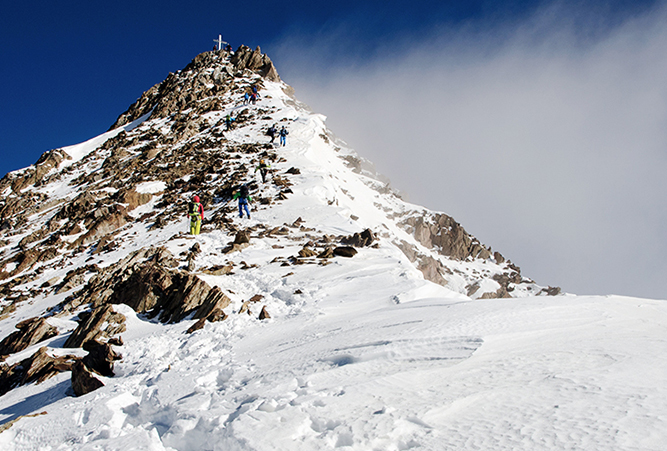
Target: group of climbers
x: 251, y: 97
x: 196, y: 210
x: 273, y: 132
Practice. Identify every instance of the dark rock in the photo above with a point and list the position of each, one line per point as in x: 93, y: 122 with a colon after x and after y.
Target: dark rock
x: 37, y: 368
x: 246, y: 305
x: 197, y: 326
x: 345, y: 251
x: 100, y: 358
x: 550, y: 291
x: 362, y: 239
x: 264, y: 314
x: 219, y: 270
x: 83, y: 382
x: 116, y: 341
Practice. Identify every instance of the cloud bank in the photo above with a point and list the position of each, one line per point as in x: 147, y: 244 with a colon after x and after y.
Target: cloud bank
x: 546, y: 137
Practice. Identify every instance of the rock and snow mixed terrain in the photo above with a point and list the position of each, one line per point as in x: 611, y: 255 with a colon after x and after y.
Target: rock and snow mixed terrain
x: 339, y: 316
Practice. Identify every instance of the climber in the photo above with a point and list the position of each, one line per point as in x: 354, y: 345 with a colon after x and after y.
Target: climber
x: 283, y: 135
x: 272, y: 132
x: 196, y: 213
x: 263, y: 168
x: 253, y: 98
x: 228, y: 122
x: 244, y: 199
x: 246, y: 98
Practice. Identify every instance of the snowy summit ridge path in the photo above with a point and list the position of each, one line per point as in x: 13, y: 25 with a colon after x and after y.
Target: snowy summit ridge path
x: 339, y: 316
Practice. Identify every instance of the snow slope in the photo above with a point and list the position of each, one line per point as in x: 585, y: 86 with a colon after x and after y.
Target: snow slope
x: 360, y: 353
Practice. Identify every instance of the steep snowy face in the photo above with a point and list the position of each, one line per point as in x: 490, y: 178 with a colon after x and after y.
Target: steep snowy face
x: 105, y: 223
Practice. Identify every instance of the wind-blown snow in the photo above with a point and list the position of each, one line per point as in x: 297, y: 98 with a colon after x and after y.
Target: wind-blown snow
x: 360, y: 354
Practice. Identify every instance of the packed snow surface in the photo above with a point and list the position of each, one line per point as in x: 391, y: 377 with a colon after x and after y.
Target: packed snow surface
x: 360, y: 354
x: 355, y: 370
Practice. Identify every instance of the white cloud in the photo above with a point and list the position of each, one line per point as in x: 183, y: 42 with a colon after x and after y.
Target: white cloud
x: 544, y: 140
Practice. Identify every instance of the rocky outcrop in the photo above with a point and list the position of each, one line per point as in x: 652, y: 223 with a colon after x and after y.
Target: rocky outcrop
x: 34, y: 175
x: 30, y: 331
x: 145, y: 282
x: 99, y: 325
x: 37, y: 368
x: 256, y: 61
x: 264, y: 314
x: 196, y: 88
x: 365, y: 238
x: 83, y: 382
x: 446, y: 236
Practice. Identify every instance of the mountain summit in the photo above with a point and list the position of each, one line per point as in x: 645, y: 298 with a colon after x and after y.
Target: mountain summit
x: 303, y: 326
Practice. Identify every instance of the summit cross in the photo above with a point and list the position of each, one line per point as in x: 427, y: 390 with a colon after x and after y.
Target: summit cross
x: 220, y: 42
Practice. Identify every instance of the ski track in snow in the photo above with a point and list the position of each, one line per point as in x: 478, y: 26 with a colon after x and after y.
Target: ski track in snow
x: 361, y: 354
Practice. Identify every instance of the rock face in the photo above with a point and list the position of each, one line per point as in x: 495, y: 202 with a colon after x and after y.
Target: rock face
x: 30, y: 332
x: 345, y: 251
x: 166, y: 99
x: 244, y: 58
x: 100, y: 358
x: 441, y: 232
x: 146, y: 282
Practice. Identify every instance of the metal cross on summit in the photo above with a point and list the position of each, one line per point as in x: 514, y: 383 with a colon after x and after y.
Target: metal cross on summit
x: 220, y: 42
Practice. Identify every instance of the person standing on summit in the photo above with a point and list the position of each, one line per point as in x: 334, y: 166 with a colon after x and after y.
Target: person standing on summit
x: 196, y: 213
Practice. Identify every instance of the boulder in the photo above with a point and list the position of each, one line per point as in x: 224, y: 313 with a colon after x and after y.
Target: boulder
x: 264, y: 314
x: 242, y: 237
x: 100, y: 358
x: 83, y: 382
x: 218, y: 270
x: 345, y: 251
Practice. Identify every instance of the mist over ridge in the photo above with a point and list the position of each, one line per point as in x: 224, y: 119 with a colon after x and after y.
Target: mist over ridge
x: 543, y: 136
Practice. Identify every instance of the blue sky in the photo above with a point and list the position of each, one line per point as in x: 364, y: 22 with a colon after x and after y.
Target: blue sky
x: 71, y: 67
x: 536, y: 124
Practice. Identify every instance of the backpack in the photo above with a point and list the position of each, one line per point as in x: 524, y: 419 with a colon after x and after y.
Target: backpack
x: 244, y: 191
x: 194, y: 209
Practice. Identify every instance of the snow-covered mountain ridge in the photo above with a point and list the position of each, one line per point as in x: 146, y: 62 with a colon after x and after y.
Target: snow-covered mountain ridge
x: 360, y: 292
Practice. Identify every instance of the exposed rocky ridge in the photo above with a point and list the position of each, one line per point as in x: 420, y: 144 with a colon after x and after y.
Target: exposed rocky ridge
x: 198, y: 86
x: 140, y: 180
